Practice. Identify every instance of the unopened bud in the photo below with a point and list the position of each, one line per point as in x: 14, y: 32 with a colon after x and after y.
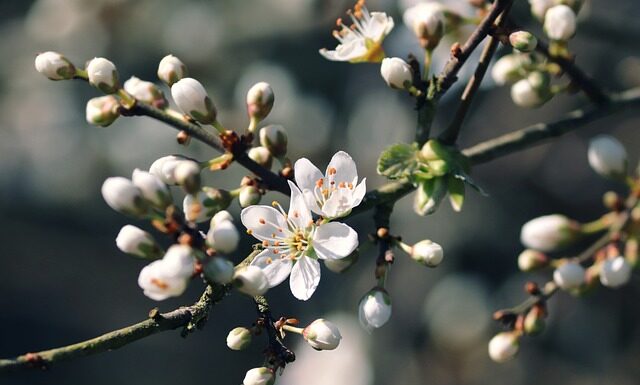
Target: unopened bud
x: 549, y: 233
x: 123, y: 196
x: 251, y: 280
x: 531, y: 260
x: 193, y: 100
x: 322, y: 335
x: 249, y: 195
x: 259, y: 376
x: 430, y: 194
x: 523, y: 41
x: 560, y: 22
x: 375, y: 309
x: 427, y: 21
x: 510, y: 68
x: 259, y: 101
x: 55, y: 66
x: 152, y: 188
x: 539, y: 7
x: 607, y: 156
x: 274, y: 138
x: 569, y: 275
x: 427, y: 253
x: 171, y: 69
x: 534, y: 322
x: 504, y: 346
x: 239, y: 338
x: 164, y: 168
x: 206, y: 203
x: 103, y: 110
x: 223, y: 236
x: 396, y: 73
x: 262, y: 156
x: 187, y: 175
x: 135, y: 241
x: 219, y: 270
x: 533, y: 91
x: 146, y: 92
x: 615, y: 272
x: 103, y: 75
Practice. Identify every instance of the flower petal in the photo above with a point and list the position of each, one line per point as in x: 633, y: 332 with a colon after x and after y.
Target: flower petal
x: 345, y: 168
x: 299, y: 213
x: 379, y: 26
x: 334, y: 240
x: 264, y: 222
x: 276, y: 268
x: 312, y: 203
x: 338, y: 204
x: 306, y: 174
x: 305, y: 277
x: 358, y: 193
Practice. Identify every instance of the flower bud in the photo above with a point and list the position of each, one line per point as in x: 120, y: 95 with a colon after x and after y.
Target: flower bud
x: 259, y: 376
x: 262, y: 156
x: 259, y: 101
x: 427, y: 21
x: 222, y: 216
x: 510, y: 68
x: 103, y: 75
x: 396, y: 73
x: 427, y: 253
x: 193, y: 100
x: 322, y: 335
x: 249, y: 195
x: 206, y: 203
x: 274, y: 138
x: 539, y: 7
x: 103, y: 110
x: 560, y: 22
x: 239, y: 338
x: 531, y: 92
x: 219, y: 270
x: 146, y: 92
x: 607, y: 156
x: 153, y: 189
x: 504, y: 346
x: 523, y: 41
x: 187, y: 175
x: 569, y: 276
x: 169, y: 276
x: 549, y: 232
x: 429, y: 195
x: 123, y: 196
x: 164, y: 168
x: 223, y: 237
x: 531, y: 260
x: 251, y: 280
x: 341, y: 265
x: 375, y: 309
x: 615, y: 272
x: 135, y: 241
x: 55, y: 66
x: 171, y: 69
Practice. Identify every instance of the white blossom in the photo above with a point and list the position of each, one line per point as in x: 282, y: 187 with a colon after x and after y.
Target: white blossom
x: 153, y: 188
x: 530, y: 92
x: 427, y: 253
x: 539, y: 7
x: 504, y: 346
x: 187, y: 174
x: 171, y: 69
x: 548, y: 232
x: 560, y: 22
x: 509, y: 68
x: 322, y: 335
x: 169, y: 276
x: 259, y: 376
x: 103, y: 75
x: 530, y: 260
x: 607, y: 156
x: 123, y: 196
x: 54, y: 66
x: 293, y: 243
x: 135, y: 241
x: 396, y: 72
x: 221, y: 216
x: 164, y: 168
x: 363, y: 41
x: 102, y: 110
x: 251, y: 280
x: 615, y: 272
x: 523, y: 41
x: 569, y: 275
x: 239, y: 338
x: 427, y: 21
x: 335, y: 193
x: 193, y: 100
x: 375, y: 309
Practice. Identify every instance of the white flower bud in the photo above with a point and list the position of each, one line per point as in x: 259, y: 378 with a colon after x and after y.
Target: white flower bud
x: 223, y: 237
x: 251, y: 280
x: 153, y: 188
x: 262, y: 156
x: 103, y: 75
x: 239, y: 338
x: 249, y: 195
x: 375, y: 309
x: 530, y: 260
x: 55, y: 66
x: 145, y: 92
x: 203, y: 205
x: 171, y: 69
x: 531, y: 92
x: 259, y: 101
x: 396, y: 73
x: 222, y: 216
x: 322, y: 335
x: 274, y: 138
x: 135, y: 241
x: 615, y: 272
x: 187, y: 174
x: 504, y: 346
x: 569, y: 276
x: 607, y: 156
x: 427, y: 21
x: 123, y: 196
x: 523, y: 41
x: 164, y: 168
x: 193, y: 100
x: 548, y: 232
x: 539, y: 7
x: 560, y: 22
x: 259, y: 376
x: 179, y: 260
x: 341, y: 265
x: 427, y: 253
x: 103, y: 110
x: 510, y: 68
x: 219, y: 270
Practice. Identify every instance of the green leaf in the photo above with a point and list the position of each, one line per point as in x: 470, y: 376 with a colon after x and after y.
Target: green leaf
x: 461, y: 175
x: 456, y: 192
x: 398, y: 161
x: 429, y: 195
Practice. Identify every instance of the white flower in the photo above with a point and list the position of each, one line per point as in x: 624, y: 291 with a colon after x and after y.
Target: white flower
x: 548, y: 232
x: 164, y: 168
x: 223, y: 236
x: 532, y: 91
x: 222, y: 216
x: 251, y: 280
x: 375, y: 309
x: 135, y: 241
x: 103, y: 75
x: 569, y: 276
x: 219, y: 270
x: 169, y: 276
x: 615, y: 272
x: 334, y: 194
x: 259, y: 100
x: 239, y: 338
x: 193, y: 100
x: 54, y: 66
x: 427, y: 253
x: 103, y: 110
x: 274, y: 138
x: 607, y: 156
x: 259, y: 376
x: 363, y: 41
x: 123, y: 196
x: 171, y: 69
x: 153, y: 188
x: 427, y: 21
x: 294, y: 243
x: 145, y: 91
x: 560, y: 22
x: 539, y: 7
x: 322, y: 335
x: 503, y: 346
x: 249, y: 196
x: 396, y: 72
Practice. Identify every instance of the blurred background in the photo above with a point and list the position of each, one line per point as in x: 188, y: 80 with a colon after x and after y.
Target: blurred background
x: 62, y: 279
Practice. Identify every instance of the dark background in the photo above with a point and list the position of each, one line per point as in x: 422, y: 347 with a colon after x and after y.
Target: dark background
x: 62, y: 279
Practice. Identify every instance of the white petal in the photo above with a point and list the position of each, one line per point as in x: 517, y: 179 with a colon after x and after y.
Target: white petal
x: 359, y: 193
x: 265, y: 222
x: 351, y: 50
x: 276, y: 269
x: 299, y: 213
x: 334, y: 240
x: 379, y: 26
x: 345, y: 168
x: 305, y: 277
x: 310, y: 198
x: 306, y: 174
x: 338, y: 204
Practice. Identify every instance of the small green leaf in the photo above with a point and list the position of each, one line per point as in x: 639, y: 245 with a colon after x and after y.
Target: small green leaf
x: 467, y: 179
x: 429, y: 195
x: 398, y: 161
x: 456, y: 192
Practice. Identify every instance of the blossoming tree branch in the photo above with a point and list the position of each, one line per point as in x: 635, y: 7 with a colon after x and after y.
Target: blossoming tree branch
x: 293, y: 242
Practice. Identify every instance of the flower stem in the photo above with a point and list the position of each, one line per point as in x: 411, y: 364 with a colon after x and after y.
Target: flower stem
x: 292, y: 329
